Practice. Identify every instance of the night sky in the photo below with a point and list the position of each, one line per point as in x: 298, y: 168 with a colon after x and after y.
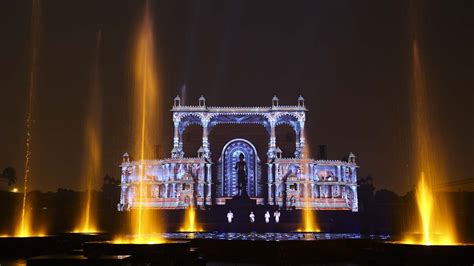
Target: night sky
x: 351, y: 60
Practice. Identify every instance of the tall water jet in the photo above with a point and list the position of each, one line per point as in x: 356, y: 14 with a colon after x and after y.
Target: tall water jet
x: 92, y: 144
x: 190, y: 221
x: 435, y: 224
x: 145, y: 226
x: 24, y: 227
x: 309, y: 218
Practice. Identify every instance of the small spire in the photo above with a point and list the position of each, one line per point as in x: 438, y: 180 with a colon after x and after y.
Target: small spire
x: 202, y: 101
x: 177, y: 101
x: 125, y: 157
x: 275, y: 101
x: 301, y: 101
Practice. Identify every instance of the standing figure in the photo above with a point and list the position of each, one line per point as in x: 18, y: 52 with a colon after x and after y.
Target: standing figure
x: 230, y: 216
x: 267, y: 217
x: 241, y: 167
x: 276, y: 214
x: 252, y: 217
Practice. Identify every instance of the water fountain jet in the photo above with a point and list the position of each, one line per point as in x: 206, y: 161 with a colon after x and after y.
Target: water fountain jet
x: 25, y: 228
x: 435, y: 223
x: 190, y: 221
x: 88, y: 221
x: 145, y: 224
x: 309, y: 218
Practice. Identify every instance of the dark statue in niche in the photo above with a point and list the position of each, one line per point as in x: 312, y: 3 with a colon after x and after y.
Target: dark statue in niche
x: 241, y: 167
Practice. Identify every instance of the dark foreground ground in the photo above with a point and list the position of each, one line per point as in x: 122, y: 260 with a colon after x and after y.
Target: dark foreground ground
x: 380, y: 214
x: 246, y: 249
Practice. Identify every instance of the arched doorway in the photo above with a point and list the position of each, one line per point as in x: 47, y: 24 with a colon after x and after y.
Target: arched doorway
x: 228, y: 174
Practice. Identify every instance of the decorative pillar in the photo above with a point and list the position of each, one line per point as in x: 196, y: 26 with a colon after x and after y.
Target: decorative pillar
x: 339, y: 173
x: 173, y: 192
x: 300, y: 138
x: 173, y: 172
x: 353, y: 175
x: 205, y: 140
x: 175, y: 150
x: 272, y: 143
x: 270, y: 184
x: 166, y: 191
x: 209, y: 180
x: 343, y: 174
x: 166, y: 172
x: 355, y: 203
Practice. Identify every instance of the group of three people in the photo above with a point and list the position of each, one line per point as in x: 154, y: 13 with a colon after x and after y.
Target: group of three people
x: 276, y: 214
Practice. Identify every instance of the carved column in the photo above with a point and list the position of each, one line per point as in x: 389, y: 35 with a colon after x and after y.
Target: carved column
x: 175, y: 150
x: 173, y: 172
x: 272, y: 143
x: 205, y: 139
x: 270, y: 184
x: 339, y: 173
x: 353, y: 175
x: 300, y: 138
x: 355, y: 202
x: 209, y: 180
x: 166, y: 191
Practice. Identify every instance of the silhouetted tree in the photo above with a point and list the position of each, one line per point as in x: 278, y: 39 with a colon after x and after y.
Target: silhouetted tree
x: 10, y: 174
x: 110, y: 191
x: 385, y: 196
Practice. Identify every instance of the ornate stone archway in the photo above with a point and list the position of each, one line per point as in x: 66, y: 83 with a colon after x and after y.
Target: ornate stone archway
x: 228, y: 175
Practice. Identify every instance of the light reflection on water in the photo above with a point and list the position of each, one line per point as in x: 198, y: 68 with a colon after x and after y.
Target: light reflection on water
x: 272, y: 236
x: 12, y: 262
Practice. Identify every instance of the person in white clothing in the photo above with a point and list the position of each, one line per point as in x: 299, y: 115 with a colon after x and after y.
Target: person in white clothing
x: 276, y: 214
x: 252, y: 217
x: 267, y: 217
x: 230, y: 216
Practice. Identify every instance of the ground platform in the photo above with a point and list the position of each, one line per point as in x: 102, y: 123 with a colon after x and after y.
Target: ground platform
x: 214, y: 248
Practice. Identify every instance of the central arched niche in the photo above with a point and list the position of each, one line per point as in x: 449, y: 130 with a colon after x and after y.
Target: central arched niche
x: 228, y: 179
x: 221, y: 134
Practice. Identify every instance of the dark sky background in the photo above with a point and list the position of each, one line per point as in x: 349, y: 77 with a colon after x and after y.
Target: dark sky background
x: 351, y: 60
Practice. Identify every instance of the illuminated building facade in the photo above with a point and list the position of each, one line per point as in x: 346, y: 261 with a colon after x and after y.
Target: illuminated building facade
x: 209, y: 177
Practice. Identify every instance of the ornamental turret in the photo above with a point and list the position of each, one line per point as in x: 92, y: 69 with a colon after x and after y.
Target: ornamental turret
x: 300, y: 101
x: 125, y: 158
x: 202, y: 101
x: 275, y: 101
x: 177, y: 101
x: 351, y: 158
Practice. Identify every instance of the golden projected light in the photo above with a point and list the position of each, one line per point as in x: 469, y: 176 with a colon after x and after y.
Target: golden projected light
x: 309, y: 218
x: 435, y: 225
x: 190, y: 221
x: 145, y: 223
x: 24, y: 227
x: 93, y: 149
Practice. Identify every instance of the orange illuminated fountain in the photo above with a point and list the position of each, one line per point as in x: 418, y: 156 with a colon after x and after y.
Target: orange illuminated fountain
x: 190, y: 221
x: 145, y: 224
x: 436, y: 225
x: 24, y: 226
x: 88, y: 220
x: 309, y: 218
